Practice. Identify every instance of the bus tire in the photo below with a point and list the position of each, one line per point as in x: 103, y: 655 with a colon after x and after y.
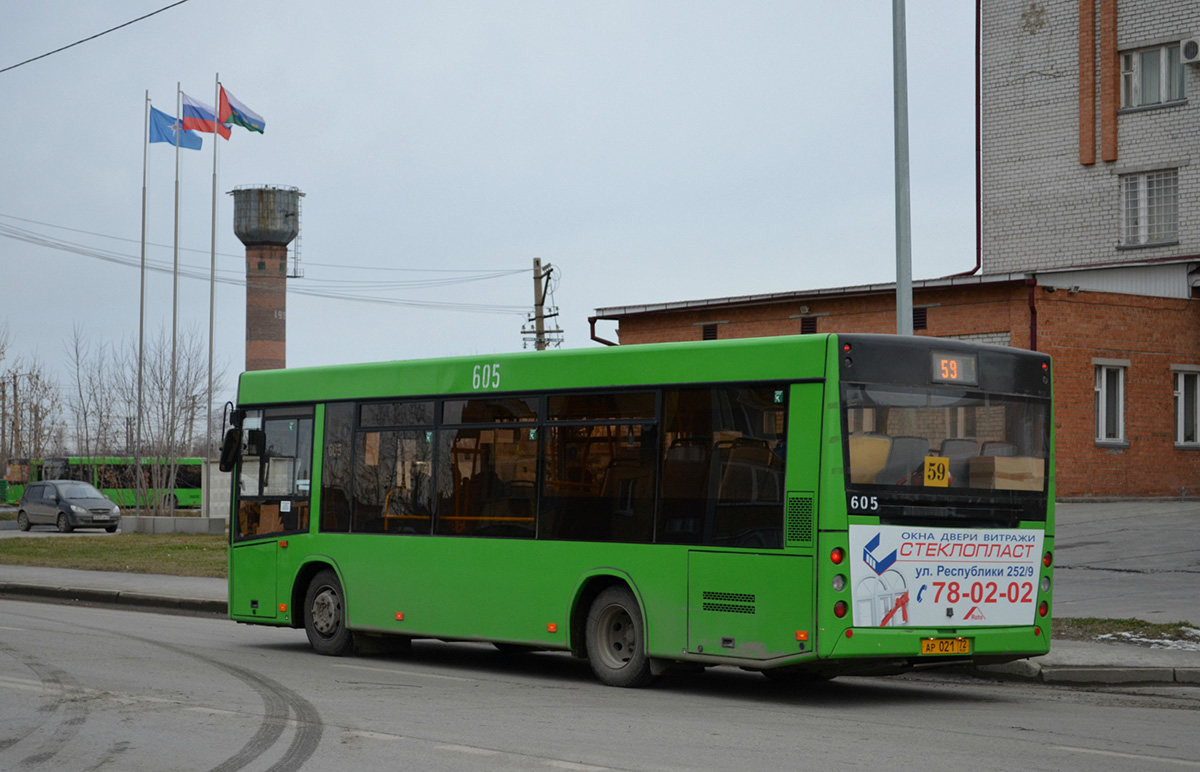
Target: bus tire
x: 325, y: 616
x: 616, y: 639
x: 23, y: 520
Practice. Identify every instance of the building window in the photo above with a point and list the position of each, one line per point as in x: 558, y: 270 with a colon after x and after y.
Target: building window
x: 920, y: 318
x: 1187, y: 408
x: 708, y: 332
x: 1150, y: 208
x: 1153, y: 76
x: 1110, y: 403
x: 808, y: 325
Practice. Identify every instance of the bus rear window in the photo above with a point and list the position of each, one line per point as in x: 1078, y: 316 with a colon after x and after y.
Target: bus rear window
x: 945, y: 438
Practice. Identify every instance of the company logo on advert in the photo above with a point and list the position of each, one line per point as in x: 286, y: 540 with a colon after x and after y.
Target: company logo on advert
x: 878, y: 565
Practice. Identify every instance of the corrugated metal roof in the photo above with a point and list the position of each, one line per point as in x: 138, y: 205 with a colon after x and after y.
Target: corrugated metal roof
x: 1155, y: 278
x: 800, y: 295
x: 1170, y: 280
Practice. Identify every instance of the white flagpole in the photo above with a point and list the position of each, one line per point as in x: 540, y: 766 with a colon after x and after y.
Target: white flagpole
x: 170, y: 448
x: 137, y: 488
x: 212, y: 302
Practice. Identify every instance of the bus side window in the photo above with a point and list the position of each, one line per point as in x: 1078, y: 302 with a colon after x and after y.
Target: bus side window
x: 336, y: 470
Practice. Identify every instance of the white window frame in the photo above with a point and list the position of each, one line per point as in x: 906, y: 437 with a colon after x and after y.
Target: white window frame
x: 1180, y: 375
x: 1150, y: 208
x: 1105, y: 400
x: 1138, y: 67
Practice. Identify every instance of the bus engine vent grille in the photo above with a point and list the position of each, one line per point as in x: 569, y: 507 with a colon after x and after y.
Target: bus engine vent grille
x: 729, y: 602
x: 800, y: 517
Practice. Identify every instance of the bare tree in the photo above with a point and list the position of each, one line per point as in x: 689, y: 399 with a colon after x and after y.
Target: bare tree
x: 34, y: 409
x: 30, y: 423
x: 169, y: 415
x: 94, y: 412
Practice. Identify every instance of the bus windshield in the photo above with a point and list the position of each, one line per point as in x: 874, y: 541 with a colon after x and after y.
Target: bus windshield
x: 933, y: 438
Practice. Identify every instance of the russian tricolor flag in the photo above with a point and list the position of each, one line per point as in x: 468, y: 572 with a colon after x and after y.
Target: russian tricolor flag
x: 198, y: 116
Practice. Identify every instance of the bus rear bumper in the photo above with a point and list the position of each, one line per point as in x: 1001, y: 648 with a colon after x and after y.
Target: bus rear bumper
x: 873, y: 650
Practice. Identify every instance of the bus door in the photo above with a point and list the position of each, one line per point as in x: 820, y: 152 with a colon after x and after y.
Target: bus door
x: 253, y: 586
x: 750, y: 606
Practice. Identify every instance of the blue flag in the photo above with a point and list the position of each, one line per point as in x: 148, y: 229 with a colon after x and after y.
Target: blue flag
x: 162, y: 129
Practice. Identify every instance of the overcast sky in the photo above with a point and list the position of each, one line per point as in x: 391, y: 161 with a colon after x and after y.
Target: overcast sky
x: 651, y: 151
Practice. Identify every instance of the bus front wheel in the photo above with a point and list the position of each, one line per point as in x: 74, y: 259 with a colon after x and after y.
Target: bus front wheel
x: 325, y: 616
x: 616, y: 641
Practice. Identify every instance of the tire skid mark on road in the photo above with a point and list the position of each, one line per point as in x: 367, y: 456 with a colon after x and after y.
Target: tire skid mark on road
x: 68, y: 706
x: 109, y: 756
x: 279, y: 703
x: 1134, y: 756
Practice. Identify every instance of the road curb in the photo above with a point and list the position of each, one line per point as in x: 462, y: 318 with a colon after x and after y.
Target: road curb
x: 121, y: 598
x: 1079, y: 674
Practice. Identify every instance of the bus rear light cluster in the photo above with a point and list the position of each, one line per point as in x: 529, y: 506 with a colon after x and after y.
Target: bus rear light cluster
x: 1048, y: 559
x: 1043, y: 608
x: 840, y: 608
x: 839, y: 583
x: 837, y: 555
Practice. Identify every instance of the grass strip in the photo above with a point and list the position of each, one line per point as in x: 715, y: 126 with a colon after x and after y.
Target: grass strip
x: 137, y: 553
x: 1092, y: 628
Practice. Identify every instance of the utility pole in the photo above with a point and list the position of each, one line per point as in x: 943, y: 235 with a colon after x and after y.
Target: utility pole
x: 16, y: 419
x: 534, y: 328
x: 539, y: 310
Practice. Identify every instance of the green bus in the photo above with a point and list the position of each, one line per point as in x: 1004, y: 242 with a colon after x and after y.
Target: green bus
x: 805, y: 506
x: 115, y: 476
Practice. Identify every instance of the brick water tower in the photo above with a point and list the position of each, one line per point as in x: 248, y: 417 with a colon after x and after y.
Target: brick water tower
x: 266, y: 219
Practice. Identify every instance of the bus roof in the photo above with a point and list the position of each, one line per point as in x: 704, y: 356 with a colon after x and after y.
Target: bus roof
x: 795, y: 357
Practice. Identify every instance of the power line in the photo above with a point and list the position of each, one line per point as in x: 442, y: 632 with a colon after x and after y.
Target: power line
x: 238, y: 256
x: 51, y: 53
x: 237, y: 279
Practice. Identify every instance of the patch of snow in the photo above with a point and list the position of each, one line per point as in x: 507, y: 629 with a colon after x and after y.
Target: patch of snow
x: 1173, y: 644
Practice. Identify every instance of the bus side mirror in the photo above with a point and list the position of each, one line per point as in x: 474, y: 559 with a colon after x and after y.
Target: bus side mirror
x: 231, y: 450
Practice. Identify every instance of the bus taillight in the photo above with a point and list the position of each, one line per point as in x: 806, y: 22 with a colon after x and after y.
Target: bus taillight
x: 1043, y: 608
x: 1047, y: 559
x: 840, y: 608
x: 837, y: 555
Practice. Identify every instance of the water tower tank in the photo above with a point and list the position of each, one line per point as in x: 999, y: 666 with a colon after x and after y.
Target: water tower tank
x: 266, y: 214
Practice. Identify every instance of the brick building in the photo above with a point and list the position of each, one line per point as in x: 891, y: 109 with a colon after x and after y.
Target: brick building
x: 1089, y: 249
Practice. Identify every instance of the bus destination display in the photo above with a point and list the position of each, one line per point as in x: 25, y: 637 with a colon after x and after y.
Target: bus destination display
x: 951, y: 367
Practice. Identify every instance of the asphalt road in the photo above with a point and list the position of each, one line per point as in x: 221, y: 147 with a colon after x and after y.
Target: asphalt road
x: 91, y: 688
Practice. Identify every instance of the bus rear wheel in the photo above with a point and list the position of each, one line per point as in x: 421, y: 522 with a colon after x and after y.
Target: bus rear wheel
x: 325, y: 616
x: 616, y: 640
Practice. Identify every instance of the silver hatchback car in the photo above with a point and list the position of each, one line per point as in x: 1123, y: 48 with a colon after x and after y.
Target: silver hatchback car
x: 68, y: 504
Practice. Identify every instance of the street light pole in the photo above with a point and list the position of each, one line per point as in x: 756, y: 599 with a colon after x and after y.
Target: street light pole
x: 904, y: 321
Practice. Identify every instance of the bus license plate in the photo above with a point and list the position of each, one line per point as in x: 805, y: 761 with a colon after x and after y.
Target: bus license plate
x: 945, y: 646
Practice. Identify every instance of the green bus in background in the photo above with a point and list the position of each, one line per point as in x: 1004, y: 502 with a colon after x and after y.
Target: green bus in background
x: 116, y: 477
x: 805, y: 506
